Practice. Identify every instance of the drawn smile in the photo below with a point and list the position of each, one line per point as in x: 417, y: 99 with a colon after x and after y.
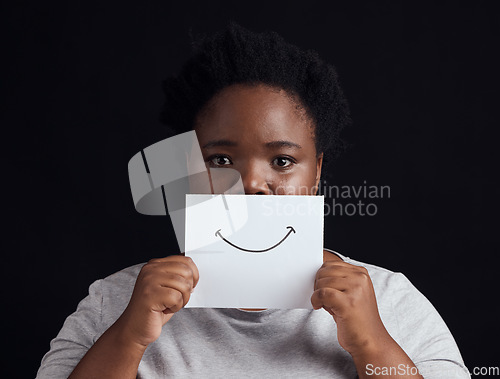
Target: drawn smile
x: 218, y: 233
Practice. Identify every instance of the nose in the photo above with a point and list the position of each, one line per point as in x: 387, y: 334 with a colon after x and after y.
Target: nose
x: 254, y: 179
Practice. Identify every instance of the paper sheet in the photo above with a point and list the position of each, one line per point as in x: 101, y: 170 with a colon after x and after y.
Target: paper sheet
x: 254, y: 251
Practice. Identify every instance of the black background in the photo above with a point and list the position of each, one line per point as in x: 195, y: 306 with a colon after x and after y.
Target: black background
x: 82, y: 85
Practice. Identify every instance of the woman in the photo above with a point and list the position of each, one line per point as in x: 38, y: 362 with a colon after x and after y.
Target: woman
x: 274, y: 113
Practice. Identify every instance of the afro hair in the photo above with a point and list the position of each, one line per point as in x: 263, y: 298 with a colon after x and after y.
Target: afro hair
x: 239, y: 56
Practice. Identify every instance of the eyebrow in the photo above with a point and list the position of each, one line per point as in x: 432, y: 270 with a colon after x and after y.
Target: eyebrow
x: 281, y: 143
x: 272, y: 144
x: 220, y: 142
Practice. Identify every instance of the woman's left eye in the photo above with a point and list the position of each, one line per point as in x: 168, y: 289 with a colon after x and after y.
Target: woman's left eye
x: 282, y: 162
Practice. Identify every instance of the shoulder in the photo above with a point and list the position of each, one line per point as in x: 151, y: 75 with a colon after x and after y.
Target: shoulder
x: 95, y: 313
x: 123, y: 279
x: 114, y: 292
x: 400, y: 303
x: 413, y: 321
x: 388, y: 285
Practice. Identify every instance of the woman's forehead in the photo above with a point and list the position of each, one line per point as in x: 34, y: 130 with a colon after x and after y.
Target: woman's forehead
x: 261, y: 112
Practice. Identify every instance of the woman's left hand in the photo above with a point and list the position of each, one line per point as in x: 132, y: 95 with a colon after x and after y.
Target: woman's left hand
x: 346, y: 292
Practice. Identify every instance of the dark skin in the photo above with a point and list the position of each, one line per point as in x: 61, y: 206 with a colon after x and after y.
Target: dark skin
x: 267, y: 136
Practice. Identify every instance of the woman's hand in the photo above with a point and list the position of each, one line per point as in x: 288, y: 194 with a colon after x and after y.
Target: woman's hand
x: 346, y: 292
x: 162, y: 288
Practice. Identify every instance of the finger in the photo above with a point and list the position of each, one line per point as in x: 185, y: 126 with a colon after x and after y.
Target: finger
x: 169, y: 258
x: 182, y: 259
x: 330, y: 272
x: 342, y: 265
x: 338, y: 283
x: 179, y: 268
x: 196, y: 273
x: 178, y: 283
x: 168, y: 300
x: 184, y: 267
x: 327, y: 297
x: 187, y: 268
x: 339, y: 269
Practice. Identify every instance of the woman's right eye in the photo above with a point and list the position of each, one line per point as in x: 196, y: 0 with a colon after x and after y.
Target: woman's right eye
x: 219, y: 160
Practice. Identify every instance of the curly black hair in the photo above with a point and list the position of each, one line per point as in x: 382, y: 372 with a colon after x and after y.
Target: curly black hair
x: 239, y: 56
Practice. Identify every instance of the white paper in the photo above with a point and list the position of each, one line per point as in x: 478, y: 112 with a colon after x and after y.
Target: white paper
x: 254, y: 251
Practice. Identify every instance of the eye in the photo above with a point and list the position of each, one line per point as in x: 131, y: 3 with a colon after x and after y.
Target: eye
x: 283, y: 162
x: 219, y: 160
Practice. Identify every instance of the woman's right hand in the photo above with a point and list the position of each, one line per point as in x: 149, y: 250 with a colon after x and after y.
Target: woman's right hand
x: 162, y: 288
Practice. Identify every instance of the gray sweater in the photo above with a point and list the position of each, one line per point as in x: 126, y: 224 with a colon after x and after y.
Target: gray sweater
x: 207, y: 342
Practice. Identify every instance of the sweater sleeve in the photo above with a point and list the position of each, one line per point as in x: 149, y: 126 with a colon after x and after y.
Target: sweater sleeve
x: 79, y: 332
x: 423, y: 334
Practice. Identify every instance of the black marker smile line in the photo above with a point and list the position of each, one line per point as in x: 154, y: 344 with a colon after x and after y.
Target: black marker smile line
x: 218, y: 233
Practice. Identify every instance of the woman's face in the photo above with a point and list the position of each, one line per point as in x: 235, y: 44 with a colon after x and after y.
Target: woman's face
x: 264, y: 134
